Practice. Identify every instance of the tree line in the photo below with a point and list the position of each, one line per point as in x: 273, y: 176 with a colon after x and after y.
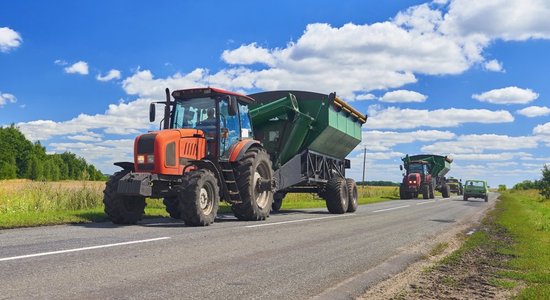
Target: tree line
x: 543, y: 184
x: 20, y: 158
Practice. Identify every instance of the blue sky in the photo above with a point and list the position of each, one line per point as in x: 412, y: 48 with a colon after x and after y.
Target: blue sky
x: 462, y: 77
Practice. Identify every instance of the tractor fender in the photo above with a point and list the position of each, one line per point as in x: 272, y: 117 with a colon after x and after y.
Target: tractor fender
x: 125, y: 165
x: 238, y: 149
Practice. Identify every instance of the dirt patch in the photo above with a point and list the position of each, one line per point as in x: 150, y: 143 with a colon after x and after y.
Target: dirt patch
x: 455, y: 269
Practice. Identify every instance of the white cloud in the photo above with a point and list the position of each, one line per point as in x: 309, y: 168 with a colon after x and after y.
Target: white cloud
x: 60, y: 62
x: 483, y: 157
x: 112, y: 74
x: 362, y: 97
x: 248, y: 54
x: 542, y: 129
x: 507, y: 95
x: 119, y: 119
x: 479, y: 143
x: 534, y: 111
x: 494, y: 66
x: 80, y: 67
x: 403, y: 96
x: 9, y: 39
x: 7, y: 98
x: 376, y: 140
x: 393, y: 117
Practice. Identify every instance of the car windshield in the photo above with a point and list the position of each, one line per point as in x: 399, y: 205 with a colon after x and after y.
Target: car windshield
x: 475, y: 183
x: 189, y: 113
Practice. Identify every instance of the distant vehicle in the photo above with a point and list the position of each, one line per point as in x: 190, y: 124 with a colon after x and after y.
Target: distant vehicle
x: 476, y: 189
x: 424, y: 174
x: 455, y: 186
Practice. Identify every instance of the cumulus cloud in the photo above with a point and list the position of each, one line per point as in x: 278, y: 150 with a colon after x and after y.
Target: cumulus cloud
x: 120, y: 119
x: 542, y: 129
x: 80, y: 67
x: 9, y: 39
x: 6, y: 98
x: 479, y: 143
x: 248, y: 54
x: 493, y: 65
x: 112, y: 74
x: 507, y: 95
x: 376, y: 140
x: 362, y: 97
x: 396, y: 118
x: 403, y: 96
x: 534, y: 111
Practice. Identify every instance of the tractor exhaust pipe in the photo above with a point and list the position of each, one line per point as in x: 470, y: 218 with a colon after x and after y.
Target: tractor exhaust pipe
x: 167, y: 110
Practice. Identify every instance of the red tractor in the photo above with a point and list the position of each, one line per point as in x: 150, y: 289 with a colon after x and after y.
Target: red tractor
x: 425, y: 173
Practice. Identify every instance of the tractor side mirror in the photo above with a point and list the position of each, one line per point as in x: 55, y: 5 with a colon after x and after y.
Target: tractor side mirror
x: 152, y: 112
x: 401, y: 167
x: 232, y: 106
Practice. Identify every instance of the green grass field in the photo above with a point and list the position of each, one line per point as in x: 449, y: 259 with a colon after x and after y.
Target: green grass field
x: 25, y: 203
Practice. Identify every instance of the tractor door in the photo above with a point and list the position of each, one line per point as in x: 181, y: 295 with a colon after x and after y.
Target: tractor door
x: 230, y: 131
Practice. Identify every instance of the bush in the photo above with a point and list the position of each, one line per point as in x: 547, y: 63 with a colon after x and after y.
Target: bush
x: 501, y: 187
x: 544, y: 183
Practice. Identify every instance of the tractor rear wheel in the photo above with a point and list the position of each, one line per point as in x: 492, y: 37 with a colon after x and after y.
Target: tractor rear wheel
x: 172, y: 207
x: 252, y: 173
x: 122, y: 209
x: 352, y: 195
x: 277, y: 201
x: 337, y: 195
x: 199, y: 199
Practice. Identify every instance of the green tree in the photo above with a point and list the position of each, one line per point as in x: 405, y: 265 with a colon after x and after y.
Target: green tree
x: 501, y: 187
x: 544, y: 183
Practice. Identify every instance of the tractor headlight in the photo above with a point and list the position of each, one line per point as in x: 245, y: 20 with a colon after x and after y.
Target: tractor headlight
x: 141, y: 159
x: 150, y: 158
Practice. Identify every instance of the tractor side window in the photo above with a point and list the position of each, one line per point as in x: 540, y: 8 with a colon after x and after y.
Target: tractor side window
x: 230, y: 131
x: 246, y: 127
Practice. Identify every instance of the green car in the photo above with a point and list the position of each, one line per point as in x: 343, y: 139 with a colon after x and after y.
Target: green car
x: 476, y: 189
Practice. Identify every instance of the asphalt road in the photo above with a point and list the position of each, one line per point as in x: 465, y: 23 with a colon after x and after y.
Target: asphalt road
x: 293, y: 255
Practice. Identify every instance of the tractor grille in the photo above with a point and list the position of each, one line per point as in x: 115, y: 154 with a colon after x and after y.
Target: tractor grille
x: 189, y: 150
x: 146, y: 144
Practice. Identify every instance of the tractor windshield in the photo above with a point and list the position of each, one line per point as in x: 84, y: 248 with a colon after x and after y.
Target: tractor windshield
x: 190, y: 113
x: 416, y: 168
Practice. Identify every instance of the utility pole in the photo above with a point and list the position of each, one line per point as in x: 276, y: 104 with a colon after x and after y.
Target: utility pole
x: 364, y: 163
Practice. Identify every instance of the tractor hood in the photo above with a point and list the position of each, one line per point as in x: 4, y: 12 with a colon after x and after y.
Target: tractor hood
x: 168, y: 151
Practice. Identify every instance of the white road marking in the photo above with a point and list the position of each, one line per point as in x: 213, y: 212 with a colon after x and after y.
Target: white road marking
x: 82, y: 249
x: 431, y: 201
x: 296, y: 221
x: 392, y: 208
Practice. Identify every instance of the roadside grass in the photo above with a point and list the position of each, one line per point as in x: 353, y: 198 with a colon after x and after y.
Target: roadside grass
x: 513, y: 246
x: 527, y: 218
x: 25, y: 203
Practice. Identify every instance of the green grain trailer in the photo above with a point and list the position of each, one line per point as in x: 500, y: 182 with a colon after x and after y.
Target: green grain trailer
x: 308, y: 136
x: 425, y: 173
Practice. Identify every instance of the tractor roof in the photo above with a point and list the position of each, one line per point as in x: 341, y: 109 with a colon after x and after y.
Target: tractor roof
x: 209, y: 92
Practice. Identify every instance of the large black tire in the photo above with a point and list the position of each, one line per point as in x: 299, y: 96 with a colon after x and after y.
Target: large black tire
x: 486, y: 198
x: 337, y: 195
x: 446, y: 191
x: 402, y: 193
x: 199, y: 198
x: 172, y: 207
x: 255, y: 205
x: 432, y: 192
x: 122, y: 209
x: 352, y: 195
x: 426, y: 191
x: 465, y: 198
x: 277, y: 201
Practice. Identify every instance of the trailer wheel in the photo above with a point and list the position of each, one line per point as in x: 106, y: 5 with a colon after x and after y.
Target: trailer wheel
x: 465, y: 198
x: 199, y: 199
x: 277, y: 201
x: 253, y: 169
x: 486, y: 198
x: 172, y: 207
x: 337, y: 195
x: 446, y: 191
x: 352, y: 195
x: 432, y: 192
x: 122, y: 209
x: 426, y: 191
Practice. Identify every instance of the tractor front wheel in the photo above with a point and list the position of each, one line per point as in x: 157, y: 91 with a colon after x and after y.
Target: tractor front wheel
x: 199, y: 199
x: 122, y: 209
x: 426, y: 191
x: 253, y: 174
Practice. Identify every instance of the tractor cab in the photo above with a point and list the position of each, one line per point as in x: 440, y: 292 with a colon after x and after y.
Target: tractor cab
x: 221, y: 117
x: 419, y: 167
